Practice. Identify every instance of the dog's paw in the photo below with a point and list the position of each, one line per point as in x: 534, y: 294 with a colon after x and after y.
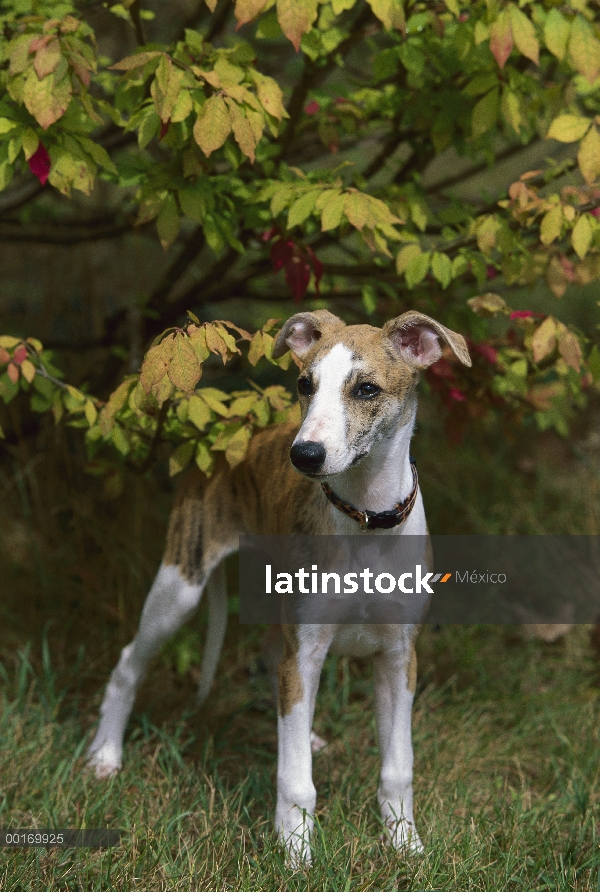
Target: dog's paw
x: 104, y: 761
x: 403, y: 837
x: 317, y: 743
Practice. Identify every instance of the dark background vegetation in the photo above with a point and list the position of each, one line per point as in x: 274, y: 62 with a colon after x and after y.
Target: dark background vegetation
x: 506, y: 729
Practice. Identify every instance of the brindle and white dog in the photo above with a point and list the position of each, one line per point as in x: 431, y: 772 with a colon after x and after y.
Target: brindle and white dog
x: 357, y: 389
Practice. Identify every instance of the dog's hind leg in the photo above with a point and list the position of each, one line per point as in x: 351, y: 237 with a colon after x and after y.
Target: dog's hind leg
x: 216, y: 589
x: 170, y: 602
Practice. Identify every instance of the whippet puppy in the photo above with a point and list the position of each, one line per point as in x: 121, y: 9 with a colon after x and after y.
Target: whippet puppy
x: 357, y: 391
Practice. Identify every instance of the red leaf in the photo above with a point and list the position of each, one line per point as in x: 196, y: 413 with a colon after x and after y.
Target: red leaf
x: 441, y: 369
x: 490, y: 272
x: 455, y: 394
x: 488, y: 352
x: 282, y: 252
x: 524, y: 314
x: 312, y: 108
x: 4, y: 356
x: 297, y: 275
x: 569, y: 269
x: 317, y: 267
x: 13, y: 372
x: 39, y: 164
x: 20, y: 354
x: 164, y: 129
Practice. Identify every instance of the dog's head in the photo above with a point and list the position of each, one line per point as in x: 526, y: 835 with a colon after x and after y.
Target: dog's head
x: 357, y: 382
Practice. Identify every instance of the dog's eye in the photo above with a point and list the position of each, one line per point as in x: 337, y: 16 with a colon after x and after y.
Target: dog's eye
x: 366, y: 391
x: 304, y: 386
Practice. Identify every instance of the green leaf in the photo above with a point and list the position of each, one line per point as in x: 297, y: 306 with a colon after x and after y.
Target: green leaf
x: 588, y: 156
x: 204, y: 458
x: 441, y: 267
x: 247, y: 10
x: 302, y: 208
x: 181, y: 457
x: 332, y: 210
x: 6, y: 125
x: 242, y: 130
x: 581, y: 237
x: 556, y: 33
x: 543, y: 342
x: 44, y: 99
x: 524, y: 34
x: 390, y: 13
x: 417, y: 269
x: 485, y: 113
x: 213, y: 125
x: 568, y: 128
x: 130, y: 63
x: 405, y: 256
x: 238, y: 446
x: 551, y: 225
x: 198, y: 412
x: 167, y: 222
x: 584, y: 49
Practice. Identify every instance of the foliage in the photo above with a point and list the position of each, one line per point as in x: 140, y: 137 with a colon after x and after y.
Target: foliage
x: 160, y: 404
x: 224, y: 142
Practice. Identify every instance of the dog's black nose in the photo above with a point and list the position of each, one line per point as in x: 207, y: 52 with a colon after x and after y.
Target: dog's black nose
x: 307, y: 456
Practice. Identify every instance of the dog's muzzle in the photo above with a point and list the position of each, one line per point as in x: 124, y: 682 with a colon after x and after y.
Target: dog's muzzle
x: 308, y: 456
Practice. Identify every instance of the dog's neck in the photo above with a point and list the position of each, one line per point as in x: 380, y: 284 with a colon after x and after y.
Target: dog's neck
x: 384, y: 477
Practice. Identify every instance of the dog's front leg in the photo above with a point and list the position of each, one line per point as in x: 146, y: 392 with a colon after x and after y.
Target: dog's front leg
x: 395, y: 675
x: 305, y: 648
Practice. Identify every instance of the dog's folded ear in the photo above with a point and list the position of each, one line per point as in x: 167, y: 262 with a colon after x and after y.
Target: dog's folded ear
x: 303, y: 330
x: 416, y: 338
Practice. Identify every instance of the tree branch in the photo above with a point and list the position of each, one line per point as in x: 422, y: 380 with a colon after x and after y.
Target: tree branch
x: 134, y: 11
x: 314, y: 74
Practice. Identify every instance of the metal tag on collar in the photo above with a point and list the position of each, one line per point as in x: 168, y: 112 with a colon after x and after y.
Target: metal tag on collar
x: 364, y: 521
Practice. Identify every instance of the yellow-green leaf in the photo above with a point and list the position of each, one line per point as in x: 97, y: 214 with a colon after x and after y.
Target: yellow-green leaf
x: 588, y: 156
x: 302, y: 208
x: 581, y: 237
x: 543, y: 342
x: 238, y: 446
x: 569, y: 347
x: 91, y: 413
x: 485, y: 113
x: 213, y: 125
x: 295, y: 18
x: 181, y: 457
x: 524, y: 34
x: 390, y: 13
x: 568, y: 128
x: 247, y: 10
x: 441, y: 267
x: 242, y: 130
x: 405, y: 255
x: 184, y: 368
x: 204, y: 458
x: 556, y: 33
x: 198, y: 412
x: 551, y: 225
x: 167, y: 222
x: 488, y: 304
x: 584, y: 49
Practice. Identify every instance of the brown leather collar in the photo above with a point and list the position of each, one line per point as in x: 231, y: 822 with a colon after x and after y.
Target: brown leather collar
x: 377, y: 520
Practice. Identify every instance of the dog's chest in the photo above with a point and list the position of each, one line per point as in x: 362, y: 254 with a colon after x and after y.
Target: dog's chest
x: 358, y: 640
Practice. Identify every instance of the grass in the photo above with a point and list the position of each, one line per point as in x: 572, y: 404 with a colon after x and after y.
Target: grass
x: 505, y: 729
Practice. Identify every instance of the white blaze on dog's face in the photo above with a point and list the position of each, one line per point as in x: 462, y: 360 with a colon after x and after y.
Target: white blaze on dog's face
x: 357, y: 382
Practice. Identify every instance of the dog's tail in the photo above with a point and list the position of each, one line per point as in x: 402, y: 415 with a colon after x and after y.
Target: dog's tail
x: 216, y: 589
